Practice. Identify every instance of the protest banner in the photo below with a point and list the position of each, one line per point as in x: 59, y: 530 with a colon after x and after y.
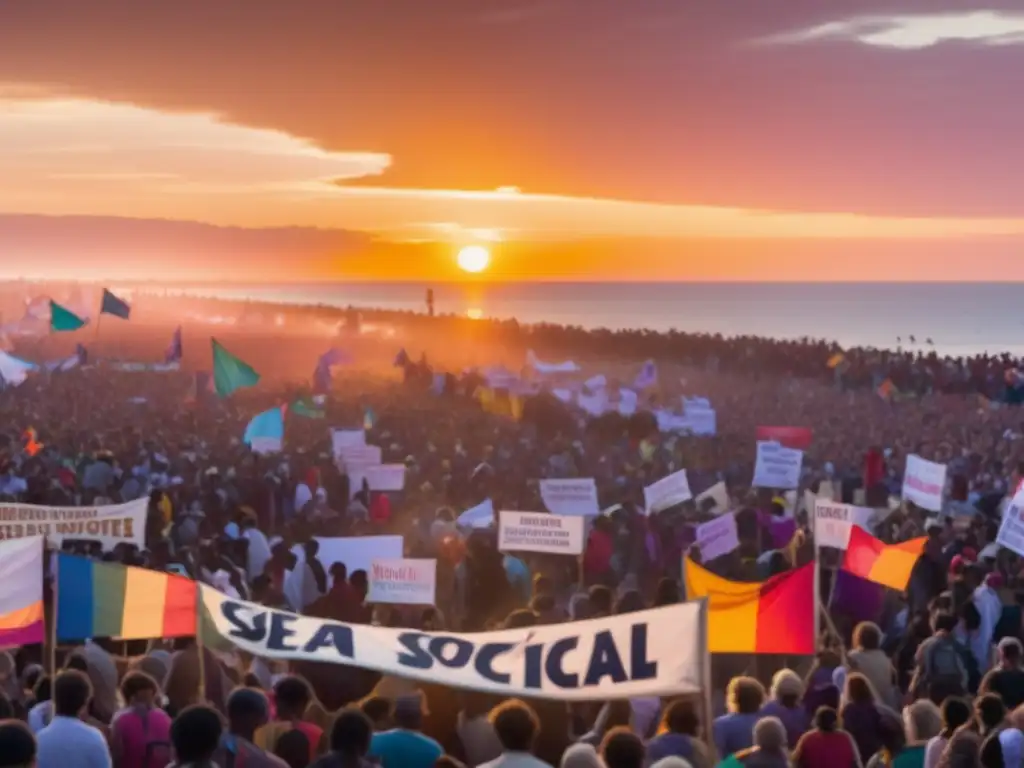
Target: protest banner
x: 924, y: 483
x: 667, y: 492
x: 660, y: 652
x: 110, y: 525
x: 540, y: 532
x: 356, y: 553
x: 717, y: 537
x: 570, y: 496
x: 1011, y: 530
x: 403, y: 581
x: 832, y: 522
x: 777, y: 466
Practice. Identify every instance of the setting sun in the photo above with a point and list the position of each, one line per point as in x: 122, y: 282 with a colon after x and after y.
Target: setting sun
x: 474, y: 258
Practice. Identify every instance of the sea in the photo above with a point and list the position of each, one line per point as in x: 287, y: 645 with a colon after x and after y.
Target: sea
x: 951, y: 318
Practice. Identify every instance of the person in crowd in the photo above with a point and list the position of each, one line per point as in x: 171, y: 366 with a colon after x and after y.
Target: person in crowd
x: 989, y: 715
x: 196, y: 737
x: 349, y: 742
x: 621, y: 748
x: 868, y: 658
x: 517, y: 727
x: 734, y: 731
x: 962, y: 751
x: 17, y: 745
x: 68, y: 742
x: 140, y: 734
x: 247, y: 711
x: 956, y: 712
x: 379, y: 710
x: 581, y: 756
x: 826, y: 745
x: 1007, y: 679
x: 678, y: 736
x: 405, y: 745
x: 769, y: 748
x: 940, y: 669
x: 293, y: 748
x: 614, y: 714
x: 787, y: 692
x: 476, y: 734
x: 861, y: 715
x: 922, y: 721
x: 292, y: 698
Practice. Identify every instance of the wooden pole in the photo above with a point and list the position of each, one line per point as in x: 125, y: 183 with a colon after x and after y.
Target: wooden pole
x: 200, y: 649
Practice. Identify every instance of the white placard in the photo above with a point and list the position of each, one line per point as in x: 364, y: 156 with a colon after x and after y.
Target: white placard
x: 924, y: 483
x: 540, y: 532
x: 777, y: 466
x: 356, y: 459
x: 833, y: 521
x: 356, y: 553
x: 404, y: 581
x: 717, y: 537
x: 1011, y: 530
x: 719, y: 494
x: 570, y: 496
x: 671, y: 490
x: 386, y: 477
x: 111, y: 524
x: 346, y: 438
x: 660, y: 652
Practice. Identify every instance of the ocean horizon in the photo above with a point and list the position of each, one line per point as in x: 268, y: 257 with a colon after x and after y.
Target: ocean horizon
x: 959, y: 318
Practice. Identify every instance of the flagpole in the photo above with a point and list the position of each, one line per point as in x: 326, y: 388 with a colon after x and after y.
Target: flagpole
x: 201, y: 650
x: 53, y: 616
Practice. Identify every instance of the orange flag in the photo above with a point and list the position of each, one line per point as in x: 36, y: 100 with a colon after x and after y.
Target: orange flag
x: 886, y: 564
x: 32, y: 444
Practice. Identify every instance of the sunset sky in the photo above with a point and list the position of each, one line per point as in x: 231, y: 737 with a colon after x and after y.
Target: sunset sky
x: 577, y: 139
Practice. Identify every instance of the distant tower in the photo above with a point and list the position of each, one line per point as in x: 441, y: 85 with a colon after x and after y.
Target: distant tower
x: 430, y: 301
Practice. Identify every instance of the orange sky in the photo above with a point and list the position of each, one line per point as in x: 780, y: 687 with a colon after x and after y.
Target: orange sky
x: 358, y: 141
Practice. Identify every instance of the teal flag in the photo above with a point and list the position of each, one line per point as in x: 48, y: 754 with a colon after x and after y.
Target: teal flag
x: 307, y: 410
x: 230, y: 373
x: 113, y: 305
x: 62, y: 319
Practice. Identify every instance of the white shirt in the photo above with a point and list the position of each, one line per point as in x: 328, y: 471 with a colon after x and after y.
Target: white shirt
x: 516, y: 760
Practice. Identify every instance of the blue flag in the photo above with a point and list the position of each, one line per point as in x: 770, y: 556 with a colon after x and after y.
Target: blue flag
x: 265, y: 432
x: 113, y: 305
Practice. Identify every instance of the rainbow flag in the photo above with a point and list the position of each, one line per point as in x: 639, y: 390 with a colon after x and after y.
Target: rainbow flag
x: 109, y: 600
x: 21, y: 592
x: 774, y: 616
x: 886, y: 564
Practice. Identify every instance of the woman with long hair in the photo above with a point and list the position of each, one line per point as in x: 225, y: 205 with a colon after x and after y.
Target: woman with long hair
x: 827, y: 745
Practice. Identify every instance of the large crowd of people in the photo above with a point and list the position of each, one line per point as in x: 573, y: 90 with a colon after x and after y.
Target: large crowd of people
x: 930, y: 677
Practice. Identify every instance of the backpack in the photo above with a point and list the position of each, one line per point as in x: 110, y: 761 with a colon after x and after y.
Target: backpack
x: 944, y: 663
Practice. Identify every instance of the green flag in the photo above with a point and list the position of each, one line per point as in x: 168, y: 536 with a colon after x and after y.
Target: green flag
x: 62, y: 319
x: 307, y: 410
x: 230, y: 373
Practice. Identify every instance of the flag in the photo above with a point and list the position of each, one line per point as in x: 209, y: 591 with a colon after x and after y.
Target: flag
x: 887, y: 390
x: 174, y: 351
x: 62, y: 319
x: 229, y: 372
x: 32, y: 444
x: 774, y: 616
x: 648, y: 376
x: 113, y: 305
x: 21, y: 592
x: 835, y: 360
x: 307, y: 409
x: 82, y: 354
x: 369, y: 419
x: 322, y: 372
x: 96, y: 599
x: 401, y: 359
x: 265, y: 431
x: 886, y: 564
